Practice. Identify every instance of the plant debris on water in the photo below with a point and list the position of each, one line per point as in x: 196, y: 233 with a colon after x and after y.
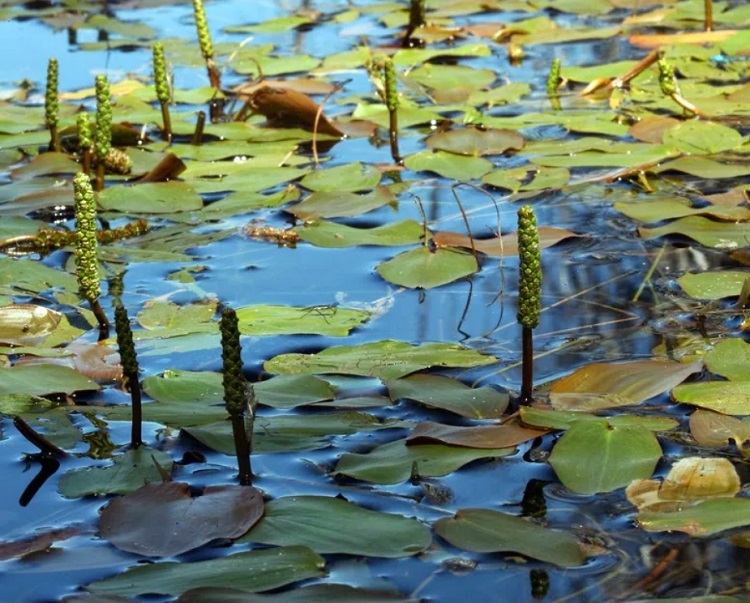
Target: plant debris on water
x: 350, y: 186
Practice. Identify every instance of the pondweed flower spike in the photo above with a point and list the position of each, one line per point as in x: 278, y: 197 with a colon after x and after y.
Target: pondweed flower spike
x: 52, y: 104
x: 235, y: 392
x: 162, y: 90
x: 553, y: 84
x: 391, y: 100
x: 103, y: 137
x: 529, y: 294
x: 130, y: 371
x: 84, y: 141
x: 207, y: 48
x: 417, y: 19
x: 87, y: 267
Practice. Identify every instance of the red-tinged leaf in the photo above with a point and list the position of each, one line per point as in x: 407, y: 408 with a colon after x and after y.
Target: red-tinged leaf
x: 505, y: 245
x: 607, y: 385
x: 163, y: 519
x: 39, y: 542
x: 714, y: 429
x: 652, y: 128
x: 480, y: 436
x: 286, y: 108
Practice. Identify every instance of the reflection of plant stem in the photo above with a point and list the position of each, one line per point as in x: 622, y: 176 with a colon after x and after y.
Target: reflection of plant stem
x: 49, y: 467
x: 200, y: 124
x: 235, y: 392
x: 391, y: 99
x: 553, y: 83
x: 529, y: 294
x: 162, y: 90
x: 207, y: 48
x: 417, y: 18
x: 130, y: 371
x: 51, y: 106
x: 36, y: 438
x: 709, y: 13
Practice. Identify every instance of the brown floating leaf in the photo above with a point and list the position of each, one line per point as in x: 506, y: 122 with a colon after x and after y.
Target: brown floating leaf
x: 290, y: 109
x: 163, y: 519
x: 652, y: 128
x: 605, y: 385
x: 714, y: 429
x: 481, y: 436
x: 302, y: 85
x: 39, y: 542
x: 475, y: 142
x: 95, y: 361
x: 695, y: 37
x: 167, y: 169
x: 505, y: 245
x: 26, y: 324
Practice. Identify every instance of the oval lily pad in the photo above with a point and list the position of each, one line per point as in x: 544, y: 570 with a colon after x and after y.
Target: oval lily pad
x: 702, y: 519
x: 730, y: 358
x: 448, y: 165
x: 713, y: 285
x: 339, y: 204
x: 473, y: 436
x: 151, y: 198
x: 488, y: 531
x: 287, y: 320
x: 424, y: 268
x: 715, y: 429
x: 42, y: 380
x: 329, y: 234
x: 353, y: 177
x: 475, y: 142
x: 728, y: 397
x: 22, y: 324
x: 698, y: 137
x: 332, y: 525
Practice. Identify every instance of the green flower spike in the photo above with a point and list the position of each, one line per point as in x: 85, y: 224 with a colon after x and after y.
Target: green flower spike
x: 130, y: 370
x: 236, y: 392
x: 204, y: 39
x: 103, y: 137
x: 84, y: 141
x: 529, y: 293
x: 391, y: 100
x: 87, y: 267
x: 51, y: 104
x: 162, y: 89
x: 667, y: 83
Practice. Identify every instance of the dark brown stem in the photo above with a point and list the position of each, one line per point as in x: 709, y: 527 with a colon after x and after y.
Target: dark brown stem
x: 213, y: 74
x: 637, y: 69
x: 36, y: 438
x: 166, y: 132
x: 242, y: 448
x: 527, y: 366
x: 54, y: 140
x: 136, y: 437
x: 197, y: 138
x: 86, y: 161
x: 101, y: 318
x: 393, y: 134
x: 709, y: 10
x: 99, y: 184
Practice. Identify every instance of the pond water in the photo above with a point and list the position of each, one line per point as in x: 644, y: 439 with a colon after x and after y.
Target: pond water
x: 609, y: 292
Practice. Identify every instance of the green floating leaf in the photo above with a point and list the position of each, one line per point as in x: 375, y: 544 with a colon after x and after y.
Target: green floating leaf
x: 657, y: 210
x: 557, y: 419
x: 127, y: 472
x: 352, y: 177
x: 332, y: 525
x: 722, y: 235
x: 596, y: 457
x: 151, y: 198
x: 730, y: 358
x: 487, y: 531
x: 702, y: 137
x: 611, y: 384
x: 450, y: 394
x: 424, y: 268
x: 702, y: 167
x: 703, y: 519
x: 329, y: 234
x: 286, y: 320
x: 341, y: 204
x: 728, y: 397
x: 713, y: 285
x: 42, y: 380
x: 255, y: 571
x: 29, y: 276
x: 387, y: 359
x: 473, y: 436
x: 441, y: 77
x: 474, y: 142
x: 640, y: 154
x: 393, y: 463
x: 291, y: 391
x: 185, y: 386
x: 315, y: 593
x: 448, y: 165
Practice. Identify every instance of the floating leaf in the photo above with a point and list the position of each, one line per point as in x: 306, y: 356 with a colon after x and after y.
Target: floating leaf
x: 702, y: 137
x: 702, y: 519
x: 332, y: 525
x: 255, y: 571
x: 127, y: 472
x: 22, y: 324
x: 557, y: 419
x: 722, y: 235
x: 597, y: 457
x: 42, y: 380
x: 728, y: 397
x: 424, y: 268
x: 713, y: 285
x: 475, y: 436
x: 393, y: 463
x: 330, y: 234
x: 341, y: 204
x: 450, y: 394
x: 315, y: 593
x: 286, y: 320
x: 730, y: 358
x: 151, y: 198
x: 605, y: 385
x: 352, y: 177
x: 488, y: 531
x: 714, y: 429
x: 658, y: 210
x: 474, y: 142
x: 386, y: 359
x: 163, y: 519
x: 448, y: 165
x: 503, y: 246
x: 290, y: 391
